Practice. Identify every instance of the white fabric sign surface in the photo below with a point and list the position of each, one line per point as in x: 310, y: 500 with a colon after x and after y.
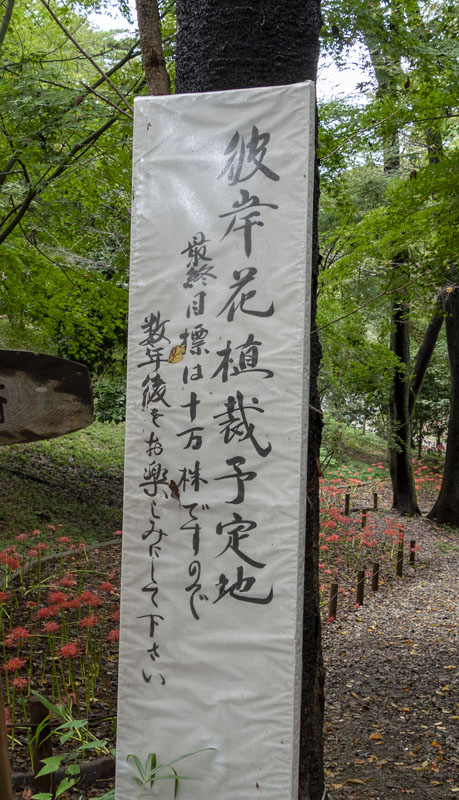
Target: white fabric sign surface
x: 213, y: 535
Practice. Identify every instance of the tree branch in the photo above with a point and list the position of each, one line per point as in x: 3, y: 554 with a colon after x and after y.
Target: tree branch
x: 424, y: 354
x: 86, y: 55
x: 106, y: 100
x: 44, y: 182
x: 6, y: 20
x: 385, y: 293
x: 6, y: 170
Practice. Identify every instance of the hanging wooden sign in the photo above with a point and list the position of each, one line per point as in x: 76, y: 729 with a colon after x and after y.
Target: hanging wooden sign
x: 42, y: 396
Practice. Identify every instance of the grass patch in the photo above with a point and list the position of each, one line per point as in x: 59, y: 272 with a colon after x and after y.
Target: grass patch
x: 346, y: 446
x: 75, y: 481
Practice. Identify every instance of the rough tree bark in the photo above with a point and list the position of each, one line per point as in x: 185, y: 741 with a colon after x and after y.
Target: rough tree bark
x: 401, y: 470
x: 230, y: 44
x: 153, y: 62
x: 446, y: 508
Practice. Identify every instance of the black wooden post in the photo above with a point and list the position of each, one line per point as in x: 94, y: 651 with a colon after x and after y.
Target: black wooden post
x: 333, y: 601
x: 41, y: 744
x: 6, y: 786
x: 375, y: 577
x: 360, y: 587
x: 347, y: 503
x: 400, y: 558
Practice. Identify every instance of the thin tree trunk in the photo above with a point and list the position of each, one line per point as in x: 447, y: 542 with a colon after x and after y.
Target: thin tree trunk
x: 446, y: 508
x: 153, y: 60
x: 424, y: 354
x: 229, y: 45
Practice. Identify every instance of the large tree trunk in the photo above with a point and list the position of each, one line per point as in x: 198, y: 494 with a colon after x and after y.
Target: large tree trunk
x: 446, y: 508
x: 229, y: 45
x: 401, y: 469
x: 388, y: 71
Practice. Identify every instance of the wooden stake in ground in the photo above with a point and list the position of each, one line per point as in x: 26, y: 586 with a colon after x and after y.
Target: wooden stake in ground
x: 6, y: 786
x: 412, y: 552
x: 333, y: 601
x: 41, y: 744
x: 347, y: 502
x: 360, y: 587
x: 400, y: 559
x: 375, y: 577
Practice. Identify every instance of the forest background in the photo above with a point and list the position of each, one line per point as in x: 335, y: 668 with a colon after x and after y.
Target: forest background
x: 388, y: 216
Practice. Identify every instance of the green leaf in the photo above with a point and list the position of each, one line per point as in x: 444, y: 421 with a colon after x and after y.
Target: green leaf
x: 73, y: 723
x: 65, y: 784
x: 97, y: 744
x: 42, y: 796
x: 138, y: 763
x: 52, y: 763
x: 57, y: 710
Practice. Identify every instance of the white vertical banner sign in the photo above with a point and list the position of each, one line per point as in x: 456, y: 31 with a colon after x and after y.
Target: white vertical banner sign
x: 213, y: 538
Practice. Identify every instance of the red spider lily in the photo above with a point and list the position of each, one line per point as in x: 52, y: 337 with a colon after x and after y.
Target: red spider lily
x: 48, y: 611
x: 67, y: 582
x: 36, y: 532
x: 117, y: 533
x: 14, y: 663
x: 5, y: 596
x: 113, y: 635
x: 107, y: 587
x: 89, y: 622
x: 333, y: 538
x: 63, y: 539
x: 21, y: 537
x: 332, y: 618
x: 32, y: 553
x: 57, y: 598
x: 69, y: 650
x: 90, y: 599
x: 51, y: 627
x: 12, y: 562
x: 20, y: 683
x: 41, y: 546
x: 19, y: 635
x: 116, y: 615
x: 72, y: 602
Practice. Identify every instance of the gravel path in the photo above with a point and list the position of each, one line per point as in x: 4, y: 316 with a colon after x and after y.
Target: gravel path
x: 392, y: 712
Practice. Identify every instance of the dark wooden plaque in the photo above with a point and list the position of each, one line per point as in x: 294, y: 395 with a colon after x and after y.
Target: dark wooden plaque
x: 42, y: 396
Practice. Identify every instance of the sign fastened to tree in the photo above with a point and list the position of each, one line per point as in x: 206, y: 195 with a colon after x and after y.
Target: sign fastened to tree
x: 212, y: 583
x: 42, y: 396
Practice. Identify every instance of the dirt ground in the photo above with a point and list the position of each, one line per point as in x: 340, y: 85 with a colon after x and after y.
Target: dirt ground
x: 392, y: 679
